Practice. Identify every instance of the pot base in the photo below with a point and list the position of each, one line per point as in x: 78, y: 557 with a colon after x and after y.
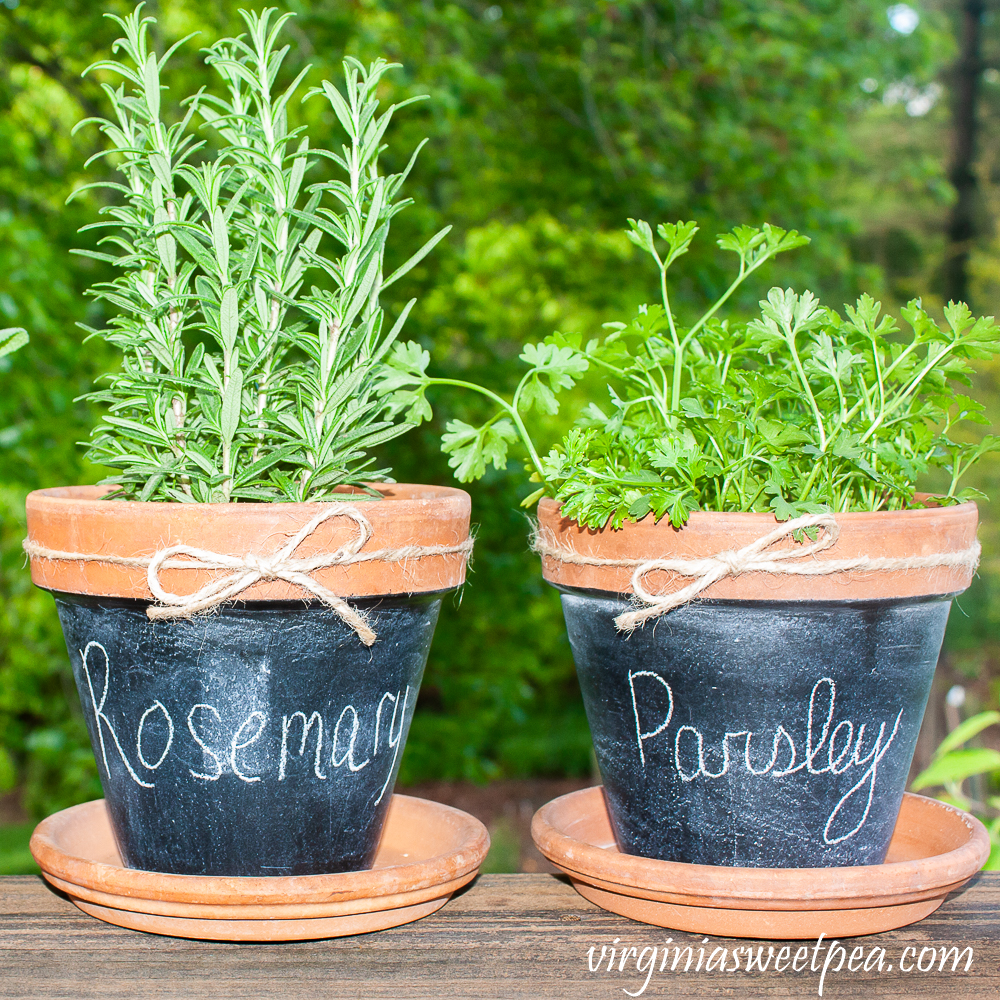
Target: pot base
x: 935, y: 849
x: 427, y: 852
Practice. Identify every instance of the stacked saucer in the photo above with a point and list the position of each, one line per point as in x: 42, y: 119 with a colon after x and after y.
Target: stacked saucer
x: 935, y: 849
x: 427, y: 852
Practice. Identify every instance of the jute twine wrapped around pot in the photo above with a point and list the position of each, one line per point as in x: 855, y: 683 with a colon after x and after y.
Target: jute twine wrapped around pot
x: 249, y: 569
x: 752, y: 558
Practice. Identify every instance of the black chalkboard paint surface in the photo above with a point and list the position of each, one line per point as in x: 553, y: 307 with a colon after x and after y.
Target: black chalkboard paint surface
x: 261, y: 740
x: 756, y: 733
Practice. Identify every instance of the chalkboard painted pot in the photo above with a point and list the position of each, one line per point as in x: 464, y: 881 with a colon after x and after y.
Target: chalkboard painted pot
x: 772, y: 722
x: 264, y: 738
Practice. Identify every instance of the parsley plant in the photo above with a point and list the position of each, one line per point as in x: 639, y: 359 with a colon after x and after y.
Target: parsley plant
x: 798, y: 411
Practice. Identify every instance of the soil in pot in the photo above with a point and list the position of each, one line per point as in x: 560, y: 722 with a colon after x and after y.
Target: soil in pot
x: 762, y: 725
x: 264, y: 738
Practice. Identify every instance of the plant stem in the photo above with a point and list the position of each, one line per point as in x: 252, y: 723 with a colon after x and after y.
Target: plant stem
x: 745, y: 273
x: 507, y: 407
x: 808, y: 389
x: 912, y: 385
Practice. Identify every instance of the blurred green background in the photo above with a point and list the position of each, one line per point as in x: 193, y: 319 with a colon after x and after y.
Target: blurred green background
x: 550, y: 122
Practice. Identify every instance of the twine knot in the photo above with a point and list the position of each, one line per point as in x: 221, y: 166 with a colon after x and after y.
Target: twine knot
x: 732, y: 560
x: 251, y: 568
x: 262, y: 565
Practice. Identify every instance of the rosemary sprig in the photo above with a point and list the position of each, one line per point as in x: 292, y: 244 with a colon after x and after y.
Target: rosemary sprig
x: 238, y: 381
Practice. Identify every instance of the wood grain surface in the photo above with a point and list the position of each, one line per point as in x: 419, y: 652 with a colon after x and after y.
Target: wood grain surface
x: 506, y: 936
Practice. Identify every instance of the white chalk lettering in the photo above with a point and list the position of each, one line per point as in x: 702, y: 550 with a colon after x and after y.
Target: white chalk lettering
x: 812, y: 752
x: 792, y: 767
x: 835, y: 767
x: 685, y: 775
x: 399, y: 736
x: 236, y: 746
x: 201, y: 743
x: 640, y: 735
x: 349, y: 752
x: 868, y: 778
x: 221, y: 741
x: 378, y: 716
x: 314, y: 720
x: 138, y: 736
x: 774, y: 752
x: 842, y: 746
x: 101, y: 717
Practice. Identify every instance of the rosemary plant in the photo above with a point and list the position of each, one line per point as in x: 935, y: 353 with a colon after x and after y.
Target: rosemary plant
x: 239, y: 381
x: 797, y: 411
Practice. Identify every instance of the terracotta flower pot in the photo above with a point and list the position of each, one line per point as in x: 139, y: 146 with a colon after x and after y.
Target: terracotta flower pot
x: 263, y: 738
x: 771, y: 722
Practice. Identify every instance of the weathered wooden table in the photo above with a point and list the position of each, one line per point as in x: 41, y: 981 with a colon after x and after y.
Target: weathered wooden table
x: 507, y: 936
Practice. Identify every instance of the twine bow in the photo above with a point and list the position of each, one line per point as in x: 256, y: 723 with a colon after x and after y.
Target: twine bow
x: 731, y: 562
x: 250, y: 569
x: 247, y: 570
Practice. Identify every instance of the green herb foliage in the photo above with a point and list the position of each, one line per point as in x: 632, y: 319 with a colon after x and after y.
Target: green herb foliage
x: 237, y: 383
x: 798, y: 411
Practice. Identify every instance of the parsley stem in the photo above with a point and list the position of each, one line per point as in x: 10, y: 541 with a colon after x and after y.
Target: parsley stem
x: 745, y: 273
x: 507, y: 407
x: 914, y: 382
x: 808, y: 390
x: 675, y: 390
x: 804, y: 492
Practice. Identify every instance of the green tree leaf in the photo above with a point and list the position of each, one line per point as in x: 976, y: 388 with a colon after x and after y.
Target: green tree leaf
x: 956, y: 766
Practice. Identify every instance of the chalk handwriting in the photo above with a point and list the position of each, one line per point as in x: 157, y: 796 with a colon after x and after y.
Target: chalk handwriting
x: 261, y: 719
x: 337, y: 747
x: 314, y: 720
x: 138, y: 736
x: 825, y: 751
x: 200, y: 742
x: 99, y: 715
x: 640, y: 735
x: 394, y: 744
x: 349, y: 752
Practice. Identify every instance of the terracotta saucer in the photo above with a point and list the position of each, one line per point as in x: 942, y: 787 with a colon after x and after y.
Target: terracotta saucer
x: 935, y: 849
x: 428, y: 851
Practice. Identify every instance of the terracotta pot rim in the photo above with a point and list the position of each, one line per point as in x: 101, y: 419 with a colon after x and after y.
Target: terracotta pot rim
x: 95, y: 494
x: 905, y: 543
x: 700, y: 518
x: 75, y: 519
